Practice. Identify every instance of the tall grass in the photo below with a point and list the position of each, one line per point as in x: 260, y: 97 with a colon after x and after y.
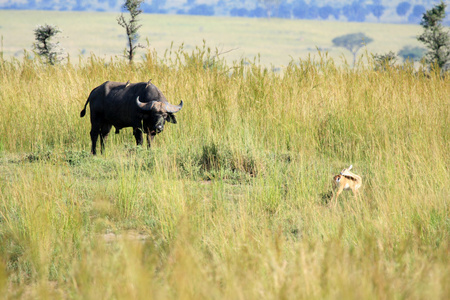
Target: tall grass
x: 231, y: 202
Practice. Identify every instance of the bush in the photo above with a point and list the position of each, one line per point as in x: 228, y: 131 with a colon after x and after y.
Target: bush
x: 384, y: 61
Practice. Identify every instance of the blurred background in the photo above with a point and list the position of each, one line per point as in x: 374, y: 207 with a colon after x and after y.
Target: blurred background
x: 272, y: 32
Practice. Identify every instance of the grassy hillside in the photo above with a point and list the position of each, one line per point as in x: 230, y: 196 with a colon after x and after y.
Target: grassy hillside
x: 231, y: 202
x: 278, y: 41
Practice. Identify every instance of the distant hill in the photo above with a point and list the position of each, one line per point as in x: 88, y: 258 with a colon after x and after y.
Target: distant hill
x: 396, y: 11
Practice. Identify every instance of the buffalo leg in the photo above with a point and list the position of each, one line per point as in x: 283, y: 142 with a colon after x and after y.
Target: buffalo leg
x: 150, y: 138
x: 105, y: 129
x: 138, y: 136
x: 95, y: 131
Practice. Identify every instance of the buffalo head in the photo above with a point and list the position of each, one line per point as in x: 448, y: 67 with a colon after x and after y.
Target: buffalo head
x: 156, y: 113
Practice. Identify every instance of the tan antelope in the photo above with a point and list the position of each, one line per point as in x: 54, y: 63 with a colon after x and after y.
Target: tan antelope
x: 346, y: 180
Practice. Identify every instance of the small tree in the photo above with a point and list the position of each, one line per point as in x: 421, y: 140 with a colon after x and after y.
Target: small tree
x: 384, y: 61
x: 435, y: 38
x: 131, y: 26
x: 352, y: 42
x: 44, y: 46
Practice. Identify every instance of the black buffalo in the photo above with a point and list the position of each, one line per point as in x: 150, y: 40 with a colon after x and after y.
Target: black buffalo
x: 138, y: 105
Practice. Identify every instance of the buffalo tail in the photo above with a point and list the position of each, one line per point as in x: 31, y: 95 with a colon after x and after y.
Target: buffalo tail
x: 83, y: 112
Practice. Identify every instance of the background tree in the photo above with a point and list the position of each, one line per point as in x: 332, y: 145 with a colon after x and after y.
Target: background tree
x: 270, y: 6
x: 355, y: 12
x: 284, y: 10
x: 377, y: 9
x: 325, y: 12
x: 416, y: 14
x: 201, y: 10
x: 300, y: 9
x: 258, y: 12
x: 81, y: 5
x: 435, y: 38
x: 402, y: 8
x: 412, y: 53
x: 131, y: 26
x: 44, y: 46
x: 112, y: 3
x: 31, y: 4
x: 238, y: 12
x: 313, y: 12
x: 155, y: 7
x: 352, y: 42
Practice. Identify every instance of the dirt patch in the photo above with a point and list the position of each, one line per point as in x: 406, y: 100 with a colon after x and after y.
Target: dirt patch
x: 131, y: 235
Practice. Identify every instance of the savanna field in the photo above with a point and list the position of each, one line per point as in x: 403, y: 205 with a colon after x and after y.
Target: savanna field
x: 233, y: 201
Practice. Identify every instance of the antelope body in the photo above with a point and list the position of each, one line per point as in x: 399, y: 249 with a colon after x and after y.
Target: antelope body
x: 346, y: 180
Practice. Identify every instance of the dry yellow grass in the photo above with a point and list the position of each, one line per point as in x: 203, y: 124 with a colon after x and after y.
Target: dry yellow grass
x: 230, y: 203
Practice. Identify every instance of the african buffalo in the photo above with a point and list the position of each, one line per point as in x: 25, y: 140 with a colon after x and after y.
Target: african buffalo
x: 138, y: 105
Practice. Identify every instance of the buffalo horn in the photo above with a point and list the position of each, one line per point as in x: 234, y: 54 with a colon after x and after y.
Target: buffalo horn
x: 145, y: 106
x: 158, y: 106
x: 170, y: 108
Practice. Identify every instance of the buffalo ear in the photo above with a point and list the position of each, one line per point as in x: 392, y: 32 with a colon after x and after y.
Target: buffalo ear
x: 171, y: 118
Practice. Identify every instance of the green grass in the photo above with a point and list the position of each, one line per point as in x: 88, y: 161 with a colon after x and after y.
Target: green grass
x: 231, y: 202
x: 276, y: 40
